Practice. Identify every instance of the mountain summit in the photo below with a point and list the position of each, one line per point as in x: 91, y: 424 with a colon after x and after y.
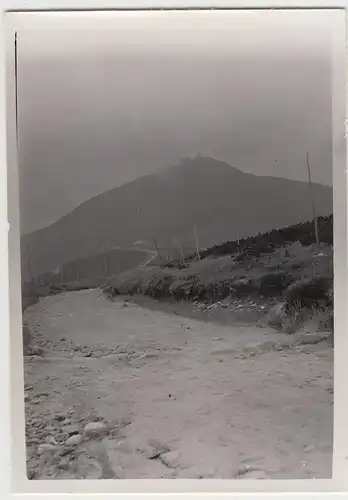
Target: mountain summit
x: 220, y: 201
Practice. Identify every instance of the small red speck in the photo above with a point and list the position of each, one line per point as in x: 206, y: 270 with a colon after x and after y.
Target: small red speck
x: 169, y: 395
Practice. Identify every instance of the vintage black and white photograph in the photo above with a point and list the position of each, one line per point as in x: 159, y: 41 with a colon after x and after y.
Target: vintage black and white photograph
x: 176, y: 218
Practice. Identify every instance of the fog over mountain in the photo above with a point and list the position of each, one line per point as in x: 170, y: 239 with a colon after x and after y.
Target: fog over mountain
x: 100, y: 108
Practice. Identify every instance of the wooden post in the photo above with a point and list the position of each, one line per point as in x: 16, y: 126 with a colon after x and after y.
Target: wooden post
x: 196, y: 241
x: 182, y: 254
x: 158, y: 252
x: 105, y: 265
x: 316, y: 229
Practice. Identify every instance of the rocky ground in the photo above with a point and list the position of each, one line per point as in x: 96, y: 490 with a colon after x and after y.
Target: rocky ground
x: 118, y: 390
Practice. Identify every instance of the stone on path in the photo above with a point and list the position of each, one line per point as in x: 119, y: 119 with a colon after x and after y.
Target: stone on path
x: 71, y: 429
x: 171, y: 459
x: 95, y: 429
x: 42, y: 448
x: 74, y: 440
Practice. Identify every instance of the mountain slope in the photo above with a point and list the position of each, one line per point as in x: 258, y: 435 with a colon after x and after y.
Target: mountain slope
x: 221, y: 201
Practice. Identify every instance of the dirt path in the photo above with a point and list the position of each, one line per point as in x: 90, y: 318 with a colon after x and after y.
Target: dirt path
x: 150, y: 254
x: 151, y: 257
x: 174, y: 397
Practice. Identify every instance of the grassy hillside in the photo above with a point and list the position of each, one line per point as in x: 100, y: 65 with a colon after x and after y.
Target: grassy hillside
x: 216, y: 278
x: 292, y: 280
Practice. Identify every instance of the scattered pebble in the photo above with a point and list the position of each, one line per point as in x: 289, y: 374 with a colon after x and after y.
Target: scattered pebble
x: 51, y: 428
x: 71, y: 429
x: 43, y: 447
x: 171, y: 459
x: 230, y: 304
x: 31, y: 474
x: 74, y: 440
x: 66, y: 451
x: 95, y: 429
x: 60, y: 418
x: 51, y: 440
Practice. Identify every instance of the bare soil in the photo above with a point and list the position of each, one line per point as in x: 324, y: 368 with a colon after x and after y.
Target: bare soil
x: 175, y: 396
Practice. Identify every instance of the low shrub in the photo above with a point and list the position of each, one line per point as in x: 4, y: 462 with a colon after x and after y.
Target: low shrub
x: 242, y: 286
x: 308, y: 293
x: 274, y: 283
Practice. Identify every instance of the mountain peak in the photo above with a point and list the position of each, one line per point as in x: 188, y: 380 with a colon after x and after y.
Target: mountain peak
x: 202, y: 166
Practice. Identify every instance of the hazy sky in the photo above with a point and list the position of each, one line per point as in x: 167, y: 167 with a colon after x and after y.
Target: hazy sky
x: 98, y: 108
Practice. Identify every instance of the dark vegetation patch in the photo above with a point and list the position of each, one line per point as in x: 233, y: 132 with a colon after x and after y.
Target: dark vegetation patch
x: 260, y: 244
x: 272, y: 240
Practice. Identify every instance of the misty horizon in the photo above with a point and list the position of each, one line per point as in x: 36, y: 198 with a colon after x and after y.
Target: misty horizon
x: 100, y: 109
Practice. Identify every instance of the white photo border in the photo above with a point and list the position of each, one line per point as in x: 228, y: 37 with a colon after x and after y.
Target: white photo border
x: 12, y: 458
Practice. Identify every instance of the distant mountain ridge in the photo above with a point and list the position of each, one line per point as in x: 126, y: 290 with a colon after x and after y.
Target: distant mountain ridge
x: 220, y: 201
